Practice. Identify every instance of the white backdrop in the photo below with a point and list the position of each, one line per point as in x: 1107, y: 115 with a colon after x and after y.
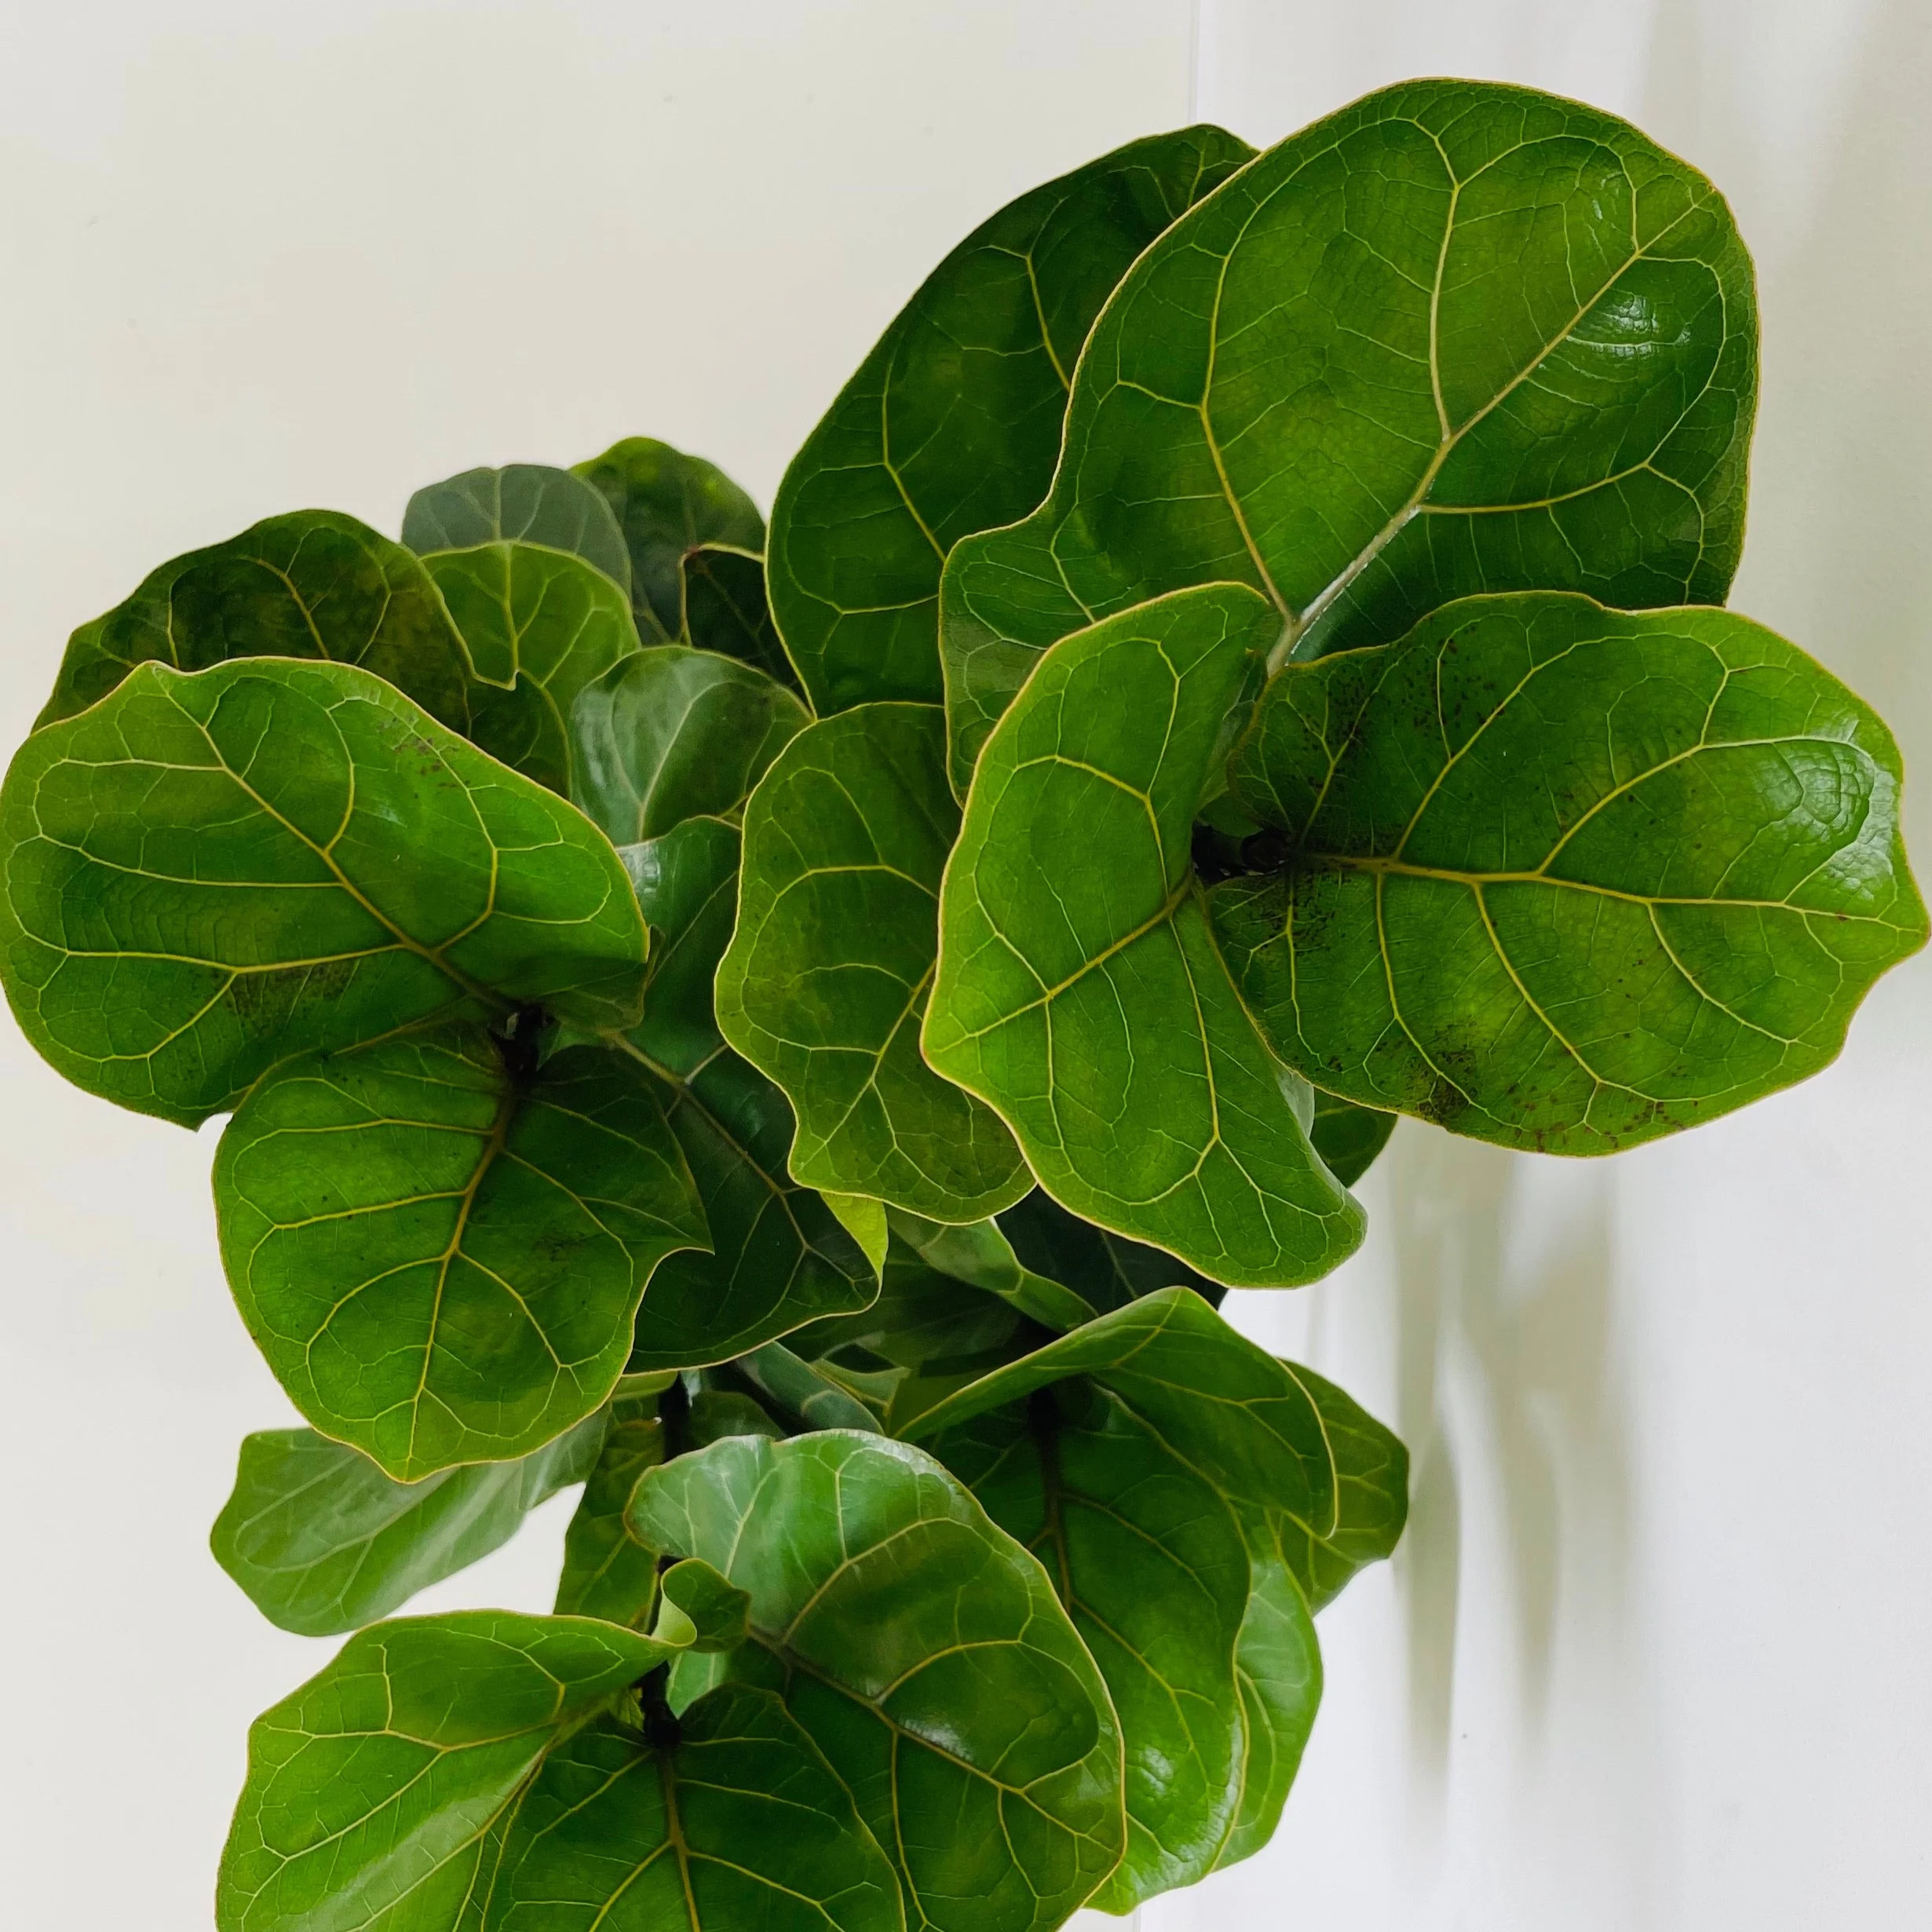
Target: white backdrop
x: 1654, y: 1654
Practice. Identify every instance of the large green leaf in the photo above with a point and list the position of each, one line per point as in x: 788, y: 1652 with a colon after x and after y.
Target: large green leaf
x: 206, y: 873
x: 312, y: 584
x: 1457, y: 337
x: 1278, y: 1667
x: 524, y: 503
x: 825, y: 980
x: 733, y: 1820
x: 323, y: 1542
x: 725, y: 609
x: 668, y: 503
x: 1150, y: 1563
x: 672, y: 733
x: 779, y: 1257
x: 686, y: 881
x: 373, y: 1789
x: 1565, y: 878
x: 607, y: 1572
x: 1079, y: 991
x: 540, y: 624
x: 441, y: 1254
x: 952, y: 422
x: 928, y: 1658
x: 1371, y: 1497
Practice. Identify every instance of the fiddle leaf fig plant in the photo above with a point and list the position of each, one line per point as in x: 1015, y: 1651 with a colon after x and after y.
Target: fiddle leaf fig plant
x: 798, y: 1031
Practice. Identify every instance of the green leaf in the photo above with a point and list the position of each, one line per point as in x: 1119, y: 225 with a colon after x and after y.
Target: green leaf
x: 672, y: 733
x: 739, y: 1824
x: 1106, y: 1270
x: 725, y: 609
x: 981, y: 1255
x: 1079, y: 992
x: 1348, y: 1138
x: 686, y: 881
x: 440, y: 1255
x: 794, y: 1388
x: 372, y: 1790
x: 524, y: 503
x: 825, y: 982
x: 921, y: 1316
x: 1371, y: 1496
x: 1457, y: 337
x: 323, y: 1542
x: 707, y: 1613
x: 668, y: 503
x: 1150, y: 1563
x: 607, y: 1572
x: 1568, y: 879
x: 1278, y: 1667
x: 925, y: 1655
x: 542, y: 624
x: 864, y: 1220
x: 779, y: 1257
x: 206, y: 874
x: 313, y: 584
x: 1243, y: 1422
x: 716, y: 1413
x: 952, y: 422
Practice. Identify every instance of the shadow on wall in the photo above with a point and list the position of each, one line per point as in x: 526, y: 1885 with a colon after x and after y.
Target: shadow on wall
x: 1509, y: 1396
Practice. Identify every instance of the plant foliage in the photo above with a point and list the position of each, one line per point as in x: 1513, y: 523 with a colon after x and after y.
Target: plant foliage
x: 797, y: 1031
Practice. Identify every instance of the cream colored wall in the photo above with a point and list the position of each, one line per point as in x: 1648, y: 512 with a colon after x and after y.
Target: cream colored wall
x: 1654, y: 1655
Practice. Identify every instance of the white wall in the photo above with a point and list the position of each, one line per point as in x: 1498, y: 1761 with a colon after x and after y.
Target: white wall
x: 1653, y: 1656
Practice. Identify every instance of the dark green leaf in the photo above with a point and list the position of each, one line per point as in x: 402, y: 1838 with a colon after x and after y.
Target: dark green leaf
x: 1106, y: 1270
x: 725, y: 609
x: 926, y: 1656
x: 205, y: 874
x: 739, y: 1824
x: 825, y: 983
x: 607, y: 1572
x: 980, y: 1254
x: 952, y: 422
x: 1349, y: 1137
x: 442, y: 1260
x: 921, y: 1316
x: 716, y: 1413
x: 701, y: 1610
x: 1457, y: 337
x: 1079, y: 991
x: 522, y: 503
x: 372, y: 1790
x: 1150, y: 1563
x: 686, y: 881
x: 794, y: 1388
x: 672, y: 733
x: 540, y: 624
x: 779, y: 1257
x: 1565, y: 878
x: 666, y: 503
x: 1278, y: 1665
x: 323, y: 1542
x: 313, y: 584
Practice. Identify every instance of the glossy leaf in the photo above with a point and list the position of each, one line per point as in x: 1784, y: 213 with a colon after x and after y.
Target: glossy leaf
x: 779, y: 1257
x: 1568, y: 879
x: 706, y: 1613
x: 1150, y: 1563
x: 1278, y: 1668
x: 372, y: 1790
x: 1079, y: 992
x: 206, y: 873
x: 607, y: 1572
x: 741, y: 1823
x: 441, y: 1257
x: 673, y: 733
x: 921, y: 1316
x: 686, y: 881
x: 668, y: 503
x: 793, y: 1387
x: 725, y: 609
x: 1371, y: 1496
x: 952, y: 422
x: 542, y: 624
x: 927, y: 1657
x: 825, y: 980
x: 523, y: 503
x: 1457, y: 337
x: 1349, y: 1137
x: 323, y: 1542
x: 313, y: 584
